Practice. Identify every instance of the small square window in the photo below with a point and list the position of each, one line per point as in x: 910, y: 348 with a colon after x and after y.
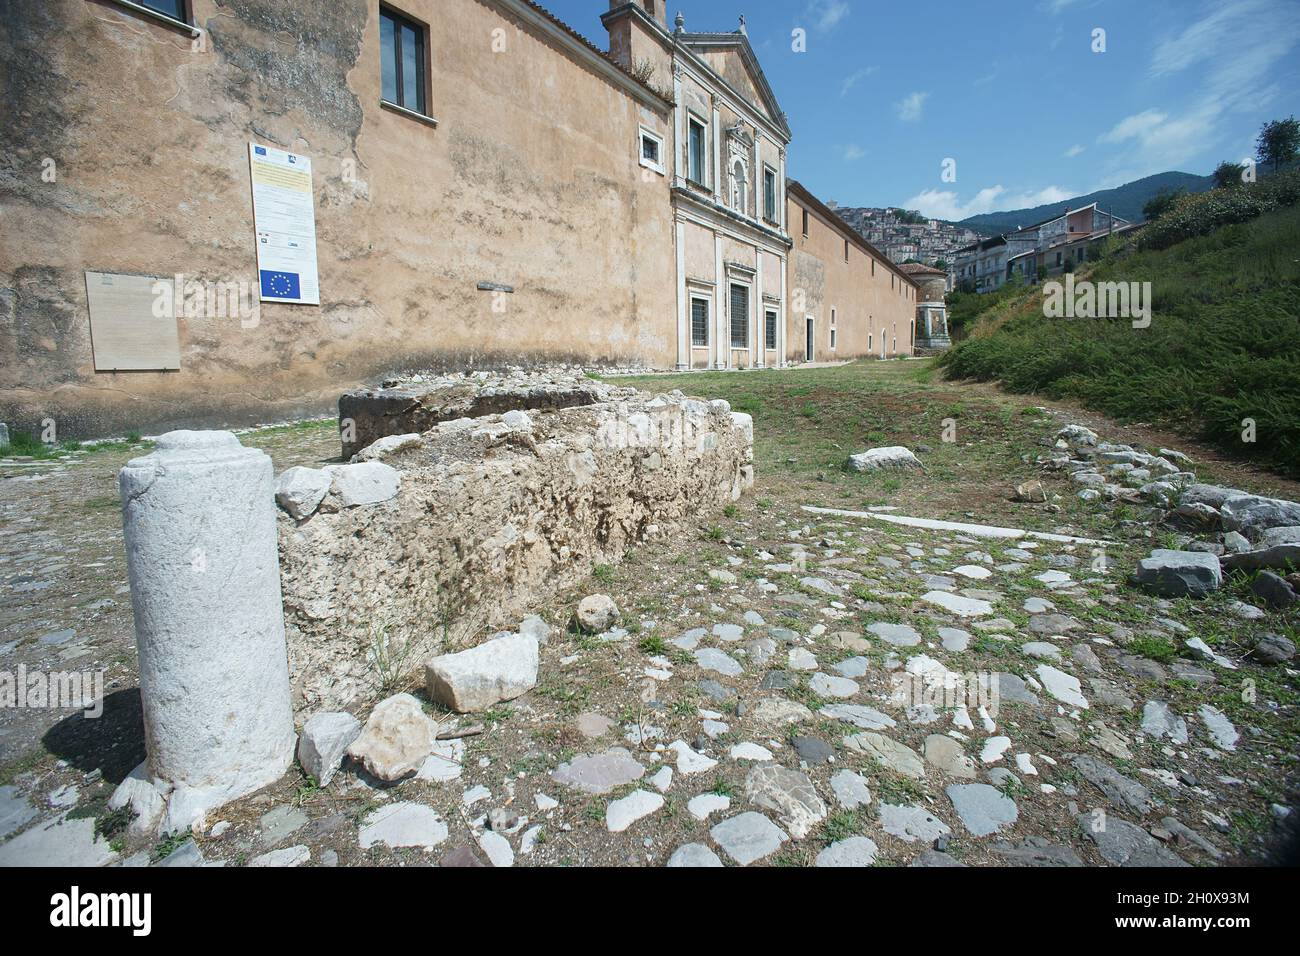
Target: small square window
x: 652, y: 151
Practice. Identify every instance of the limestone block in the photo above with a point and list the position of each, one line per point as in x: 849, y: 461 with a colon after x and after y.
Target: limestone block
x: 299, y: 490
x: 366, y: 483
x: 893, y: 457
x: 476, y: 679
x: 324, y: 742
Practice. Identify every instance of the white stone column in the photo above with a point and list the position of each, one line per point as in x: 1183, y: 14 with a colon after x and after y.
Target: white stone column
x: 758, y: 328
x: 200, y: 527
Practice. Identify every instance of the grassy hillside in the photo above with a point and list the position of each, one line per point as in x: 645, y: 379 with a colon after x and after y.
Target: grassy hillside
x: 1124, y: 201
x: 1223, y: 345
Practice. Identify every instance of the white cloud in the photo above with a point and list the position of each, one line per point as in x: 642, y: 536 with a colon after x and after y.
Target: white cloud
x: 1137, y: 126
x: 910, y: 106
x: 852, y: 153
x: 852, y: 79
x: 1231, y: 51
x: 1056, y: 6
x: 1074, y: 151
x: 826, y: 14
x: 946, y: 204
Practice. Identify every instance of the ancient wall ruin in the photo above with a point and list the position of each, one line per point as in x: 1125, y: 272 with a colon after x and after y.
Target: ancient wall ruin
x: 438, y: 539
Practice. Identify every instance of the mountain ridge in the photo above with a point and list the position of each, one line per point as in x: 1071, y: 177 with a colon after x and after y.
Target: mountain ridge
x: 1125, y: 201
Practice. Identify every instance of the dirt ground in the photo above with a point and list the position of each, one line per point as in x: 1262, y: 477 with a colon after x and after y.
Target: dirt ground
x: 65, y: 605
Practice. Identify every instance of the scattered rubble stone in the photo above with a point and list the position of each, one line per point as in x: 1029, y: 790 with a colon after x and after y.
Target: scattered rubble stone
x: 396, y: 738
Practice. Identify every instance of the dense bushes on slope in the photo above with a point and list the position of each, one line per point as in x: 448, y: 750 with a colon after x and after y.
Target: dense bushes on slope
x: 1222, y: 350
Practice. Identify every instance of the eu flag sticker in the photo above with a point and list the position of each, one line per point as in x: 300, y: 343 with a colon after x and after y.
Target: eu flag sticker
x: 280, y: 285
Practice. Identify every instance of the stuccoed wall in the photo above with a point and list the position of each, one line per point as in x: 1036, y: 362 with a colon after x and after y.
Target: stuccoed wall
x: 492, y: 516
x: 530, y: 179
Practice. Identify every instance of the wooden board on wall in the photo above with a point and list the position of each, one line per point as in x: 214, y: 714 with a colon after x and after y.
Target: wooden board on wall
x: 125, y: 334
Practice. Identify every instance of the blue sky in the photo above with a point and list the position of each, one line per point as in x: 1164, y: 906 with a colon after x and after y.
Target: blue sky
x: 1010, y: 89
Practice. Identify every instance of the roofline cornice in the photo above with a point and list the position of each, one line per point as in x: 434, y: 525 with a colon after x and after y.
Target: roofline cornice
x: 546, y: 24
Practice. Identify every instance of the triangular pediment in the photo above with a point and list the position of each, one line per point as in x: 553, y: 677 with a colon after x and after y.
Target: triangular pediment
x: 731, y: 57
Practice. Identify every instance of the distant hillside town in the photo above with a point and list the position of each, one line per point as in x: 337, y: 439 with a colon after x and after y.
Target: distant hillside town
x: 905, y: 235
x: 1035, y: 252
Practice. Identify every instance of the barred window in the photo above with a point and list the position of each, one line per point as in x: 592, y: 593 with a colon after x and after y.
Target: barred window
x: 700, y: 322
x: 770, y: 331
x: 739, y: 317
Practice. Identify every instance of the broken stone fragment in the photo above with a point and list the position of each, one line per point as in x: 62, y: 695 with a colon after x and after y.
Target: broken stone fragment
x: 367, y: 483
x: 396, y: 739
x: 1285, y: 534
x: 536, y: 627
x: 146, y: 800
x: 476, y: 679
x: 1030, y: 491
x: 1274, y: 589
x: 1179, y: 573
x: 1273, y: 649
x: 1077, y: 437
x: 299, y: 491
x: 388, y: 446
x: 1252, y: 515
x: 788, y: 793
x: 596, y: 613
x: 517, y: 421
x: 892, y: 457
x: 324, y: 743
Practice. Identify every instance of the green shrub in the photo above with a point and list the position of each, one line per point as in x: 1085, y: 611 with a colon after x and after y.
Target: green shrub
x: 1199, y: 214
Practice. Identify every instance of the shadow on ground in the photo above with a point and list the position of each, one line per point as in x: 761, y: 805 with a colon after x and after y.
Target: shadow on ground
x: 112, y: 743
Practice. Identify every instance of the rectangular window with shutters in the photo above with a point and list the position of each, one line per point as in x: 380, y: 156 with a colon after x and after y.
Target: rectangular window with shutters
x: 699, y: 322
x: 769, y: 333
x: 402, y: 61
x: 695, y: 164
x: 739, y: 316
x: 769, y: 194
